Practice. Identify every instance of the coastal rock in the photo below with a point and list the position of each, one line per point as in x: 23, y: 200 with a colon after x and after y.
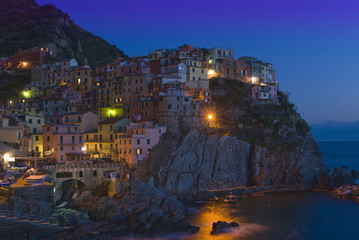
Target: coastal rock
x: 138, y: 208
x: 36, y: 200
x: 223, y: 227
x: 197, y: 161
x: 341, y: 176
x: 355, y: 174
x: 347, y: 192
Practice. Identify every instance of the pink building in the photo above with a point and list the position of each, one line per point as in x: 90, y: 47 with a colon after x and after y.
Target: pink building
x: 140, y: 139
x: 63, y: 142
x: 86, y: 120
x: 265, y: 93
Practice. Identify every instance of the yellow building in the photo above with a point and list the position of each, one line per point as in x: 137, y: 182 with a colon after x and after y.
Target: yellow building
x: 196, y: 70
x: 36, y: 146
x: 100, y: 143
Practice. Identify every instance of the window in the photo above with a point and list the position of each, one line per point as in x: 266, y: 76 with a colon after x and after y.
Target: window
x: 94, y: 173
x: 61, y: 148
x: 100, y: 146
x: 61, y: 139
x: 80, y: 174
x: 36, y: 149
x: 148, y: 141
x: 80, y: 139
x: 38, y: 121
x: 79, y: 118
x: 193, y: 69
x: 34, y: 130
x: 138, y: 151
x: 138, y: 141
x: 48, y: 138
x: 169, y: 106
x: 36, y: 138
x: 30, y: 120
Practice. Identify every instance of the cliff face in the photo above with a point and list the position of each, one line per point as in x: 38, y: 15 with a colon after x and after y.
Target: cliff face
x: 251, y: 145
x: 201, y: 162
x: 25, y: 24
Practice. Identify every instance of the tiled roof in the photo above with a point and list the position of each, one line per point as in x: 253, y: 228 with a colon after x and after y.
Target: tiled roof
x: 111, y: 120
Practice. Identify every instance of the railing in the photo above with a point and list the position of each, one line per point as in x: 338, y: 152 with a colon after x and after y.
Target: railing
x: 83, y: 165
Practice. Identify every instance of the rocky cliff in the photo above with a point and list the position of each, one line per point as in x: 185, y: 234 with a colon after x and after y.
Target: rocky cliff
x: 250, y: 145
x: 25, y: 24
x: 199, y: 161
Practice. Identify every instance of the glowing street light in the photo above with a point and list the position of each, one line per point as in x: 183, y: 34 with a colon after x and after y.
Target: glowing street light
x: 83, y: 149
x: 211, y: 72
x: 6, y: 159
x: 26, y: 94
x: 210, y: 117
x: 111, y: 113
x: 254, y: 80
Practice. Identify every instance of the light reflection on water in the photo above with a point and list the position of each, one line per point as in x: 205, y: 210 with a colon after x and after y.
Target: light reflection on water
x: 303, y: 215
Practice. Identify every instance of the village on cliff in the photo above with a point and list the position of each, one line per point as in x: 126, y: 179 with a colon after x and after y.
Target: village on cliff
x: 116, y: 111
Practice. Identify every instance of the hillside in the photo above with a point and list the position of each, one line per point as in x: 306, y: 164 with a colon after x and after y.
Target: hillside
x: 25, y: 24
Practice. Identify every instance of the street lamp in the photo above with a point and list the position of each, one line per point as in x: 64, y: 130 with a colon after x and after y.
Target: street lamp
x: 6, y: 159
x: 83, y: 150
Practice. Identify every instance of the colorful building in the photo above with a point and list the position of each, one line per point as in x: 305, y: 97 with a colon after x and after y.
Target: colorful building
x: 136, y: 145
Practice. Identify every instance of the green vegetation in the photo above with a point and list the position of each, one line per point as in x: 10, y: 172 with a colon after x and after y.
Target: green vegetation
x: 28, y: 25
x: 14, y: 84
x: 268, y: 125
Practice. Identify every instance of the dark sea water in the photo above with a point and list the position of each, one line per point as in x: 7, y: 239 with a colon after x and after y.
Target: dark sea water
x: 298, y: 216
x: 337, y: 154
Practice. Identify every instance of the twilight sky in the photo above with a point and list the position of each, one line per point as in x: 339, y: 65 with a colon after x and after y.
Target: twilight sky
x: 313, y: 44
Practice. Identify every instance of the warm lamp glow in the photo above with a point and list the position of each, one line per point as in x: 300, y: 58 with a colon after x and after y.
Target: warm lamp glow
x: 211, y: 72
x: 6, y: 156
x: 83, y: 149
x: 26, y: 94
x: 210, y: 117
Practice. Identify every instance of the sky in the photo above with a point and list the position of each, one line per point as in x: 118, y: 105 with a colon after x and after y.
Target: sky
x: 313, y: 44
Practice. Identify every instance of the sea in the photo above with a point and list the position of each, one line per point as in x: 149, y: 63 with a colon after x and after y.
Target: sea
x: 292, y: 215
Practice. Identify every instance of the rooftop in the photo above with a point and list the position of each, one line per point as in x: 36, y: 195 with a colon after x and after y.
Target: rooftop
x: 111, y: 120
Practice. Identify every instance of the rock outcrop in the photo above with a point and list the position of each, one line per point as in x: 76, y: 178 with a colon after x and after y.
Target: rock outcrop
x: 36, y: 200
x: 355, y: 174
x: 139, y: 208
x: 347, y: 192
x: 223, y: 227
x: 198, y: 161
x: 341, y: 176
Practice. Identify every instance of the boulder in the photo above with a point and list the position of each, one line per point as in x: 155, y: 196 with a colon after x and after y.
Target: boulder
x: 341, y: 176
x: 223, y: 227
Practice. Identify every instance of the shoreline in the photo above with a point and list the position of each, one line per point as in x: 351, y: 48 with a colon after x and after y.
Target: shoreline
x: 244, y: 192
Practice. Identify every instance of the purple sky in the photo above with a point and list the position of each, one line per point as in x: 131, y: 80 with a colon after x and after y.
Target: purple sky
x: 313, y: 44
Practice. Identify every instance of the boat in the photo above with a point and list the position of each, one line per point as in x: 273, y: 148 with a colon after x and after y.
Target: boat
x: 5, y: 184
